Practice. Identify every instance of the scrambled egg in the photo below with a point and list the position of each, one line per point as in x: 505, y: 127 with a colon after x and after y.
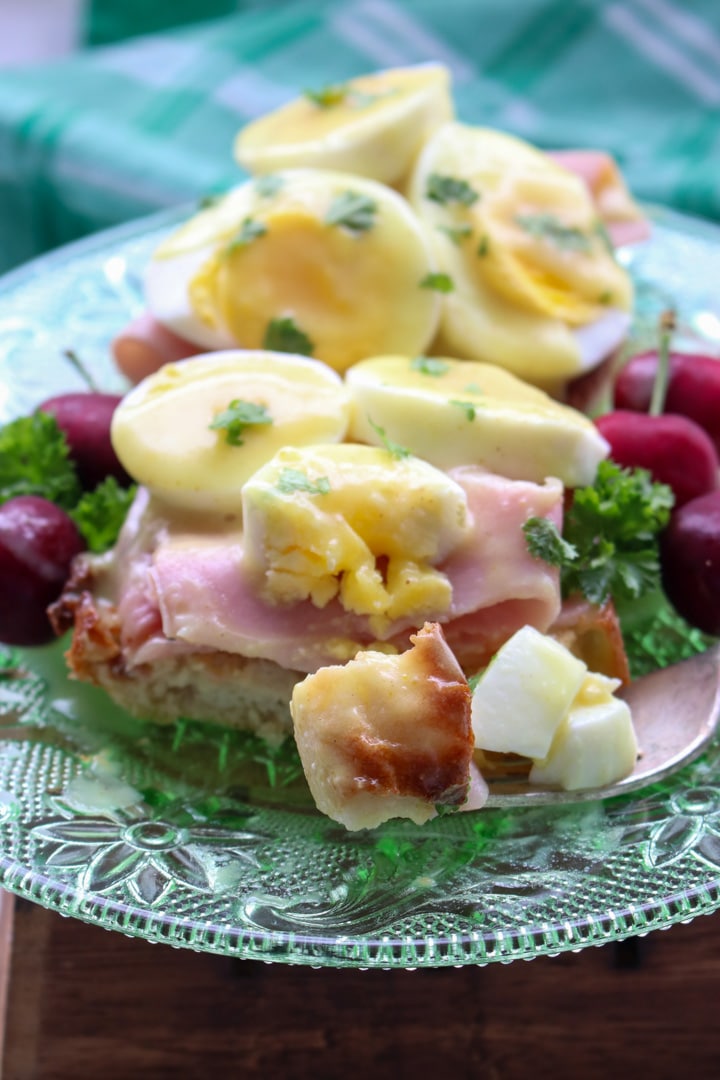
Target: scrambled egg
x: 356, y: 523
x: 373, y: 125
x: 308, y: 261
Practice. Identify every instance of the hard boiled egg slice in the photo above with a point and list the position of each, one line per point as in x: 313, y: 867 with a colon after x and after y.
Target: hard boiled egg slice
x: 194, y: 431
x: 535, y: 285
x: 318, y: 262
x: 460, y: 412
x: 356, y: 523
x: 373, y: 125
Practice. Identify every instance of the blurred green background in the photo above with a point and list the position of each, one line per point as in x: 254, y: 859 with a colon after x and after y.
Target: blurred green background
x: 143, y: 115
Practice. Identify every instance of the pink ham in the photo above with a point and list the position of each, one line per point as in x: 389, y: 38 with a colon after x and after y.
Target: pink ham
x: 206, y: 600
x: 619, y: 212
x: 145, y: 345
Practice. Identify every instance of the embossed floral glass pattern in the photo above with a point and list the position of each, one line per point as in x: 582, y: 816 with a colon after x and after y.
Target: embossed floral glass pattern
x: 169, y: 835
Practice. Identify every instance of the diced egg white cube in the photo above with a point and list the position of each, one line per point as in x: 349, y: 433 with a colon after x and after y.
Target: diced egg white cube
x: 525, y: 694
x: 594, y: 746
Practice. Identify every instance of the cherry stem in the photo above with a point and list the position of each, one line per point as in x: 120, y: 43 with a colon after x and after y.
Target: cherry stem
x: 82, y: 371
x: 662, y: 375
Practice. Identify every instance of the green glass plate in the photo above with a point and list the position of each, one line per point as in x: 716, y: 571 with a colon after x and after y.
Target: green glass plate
x: 168, y: 834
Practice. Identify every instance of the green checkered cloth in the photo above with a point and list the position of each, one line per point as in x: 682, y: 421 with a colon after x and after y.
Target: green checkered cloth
x: 119, y: 131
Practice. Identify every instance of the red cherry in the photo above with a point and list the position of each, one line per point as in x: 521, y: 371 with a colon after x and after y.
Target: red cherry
x: 38, y: 542
x: 85, y: 419
x: 693, y: 388
x: 673, y: 448
x: 690, y: 562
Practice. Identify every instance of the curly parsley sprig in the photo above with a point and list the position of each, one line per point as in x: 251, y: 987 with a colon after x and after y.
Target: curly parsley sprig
x: 35, y: 460
x: 608, y: 547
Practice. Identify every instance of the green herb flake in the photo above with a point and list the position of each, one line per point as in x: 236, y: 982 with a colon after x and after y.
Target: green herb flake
x: 483, y: 247
x: 284, y: 335
x: 238, y: 416
x: 468, y: 408
x: 545, y: 542
x: 328, y: 96
x: 457, y: 233
x: 473, y: 388
x: 429, y: 365
x: 603, y: 235
x: 548, y: 227
x: 99, y: 515
x: 206, y: 202
x: 474, y: 680
x: 35, y: 460
x: 249, y: 230
x: 605, y: 297
x: 393, y: 448
x: 441, y: 283
x: 292, y: 480
x: 268, y: 185
x: 450, y: 189
x: 609, y: 545
x: 352, y: 211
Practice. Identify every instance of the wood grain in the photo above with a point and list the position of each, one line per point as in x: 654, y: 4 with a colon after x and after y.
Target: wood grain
x: 7, y: 910
x: 85, y: 1003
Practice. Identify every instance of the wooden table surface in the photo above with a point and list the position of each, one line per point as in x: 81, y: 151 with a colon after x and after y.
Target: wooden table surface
x: 87, y: 1004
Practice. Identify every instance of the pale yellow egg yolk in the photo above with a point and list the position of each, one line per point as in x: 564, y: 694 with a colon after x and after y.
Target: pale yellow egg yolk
x: 314, y: 273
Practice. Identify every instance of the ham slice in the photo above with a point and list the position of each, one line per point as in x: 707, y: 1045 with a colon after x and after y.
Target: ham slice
x: 205, y: 598
x: 145, y: 345
x: 618, y: 211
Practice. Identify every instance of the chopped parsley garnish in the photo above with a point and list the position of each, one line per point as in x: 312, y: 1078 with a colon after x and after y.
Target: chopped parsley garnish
x: 249, y: 230
x: 291, y: 480
x: 35, y: 460
x: 268, y: 185
x: 328, y: 96
x: 545, y: 542
x: 450, y: 189
x: 609, y: 542
x: 393, y: 448
x: 353, y: 211
x: 439, y: 282
x: 483, y: 247
x: 475, y: 679
x: 604, y: 236
x: 605, y: 297
x: 548, y: 227
x: 206, y: 202
x: 457, y: 233
x: 429, y: 365
x: 284, y: 335
x: 238, y: 416
x: 473, y: 388
x: 468, y: 407
x: 99, y: 515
